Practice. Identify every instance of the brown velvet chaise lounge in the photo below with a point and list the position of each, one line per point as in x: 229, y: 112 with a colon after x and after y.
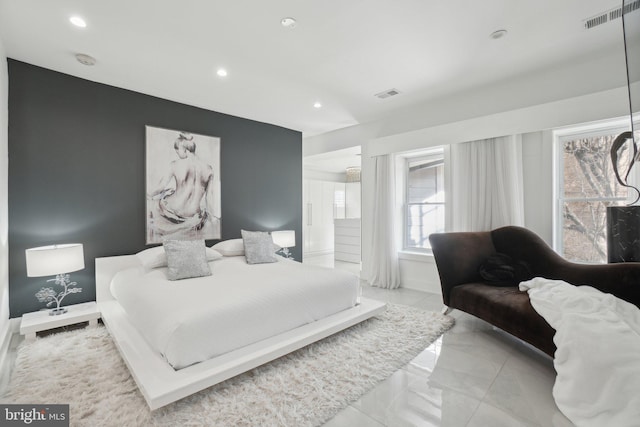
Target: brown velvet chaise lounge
x: 459, y: 257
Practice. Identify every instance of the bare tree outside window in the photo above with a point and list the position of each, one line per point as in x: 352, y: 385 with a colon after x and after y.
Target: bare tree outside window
x: 589, y: 186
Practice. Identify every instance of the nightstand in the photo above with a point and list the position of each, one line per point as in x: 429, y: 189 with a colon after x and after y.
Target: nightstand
x: 42, y: 321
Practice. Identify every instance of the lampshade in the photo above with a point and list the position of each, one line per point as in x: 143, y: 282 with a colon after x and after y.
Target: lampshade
x: 55, y: 259
x: 284, y: 238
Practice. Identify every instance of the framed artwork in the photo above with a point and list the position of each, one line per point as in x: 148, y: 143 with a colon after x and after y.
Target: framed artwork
x: 182, y: 185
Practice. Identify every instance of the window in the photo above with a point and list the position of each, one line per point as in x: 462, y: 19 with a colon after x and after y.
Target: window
x: 586, y: 186
x: 424, y: 199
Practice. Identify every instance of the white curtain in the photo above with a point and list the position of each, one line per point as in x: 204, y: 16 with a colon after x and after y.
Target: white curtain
x: 385, y: 271
x: 486, y: 184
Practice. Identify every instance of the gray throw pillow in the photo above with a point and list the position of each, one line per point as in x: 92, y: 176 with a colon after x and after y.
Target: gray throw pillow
x: 186, y: 259
x: 258, y: 247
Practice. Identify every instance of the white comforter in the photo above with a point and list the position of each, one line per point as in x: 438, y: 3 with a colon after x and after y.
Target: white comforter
x: 598, y: 356
x: 192, y: 320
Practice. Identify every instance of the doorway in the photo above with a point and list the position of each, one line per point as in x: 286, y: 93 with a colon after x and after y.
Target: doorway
x: 332, y: 209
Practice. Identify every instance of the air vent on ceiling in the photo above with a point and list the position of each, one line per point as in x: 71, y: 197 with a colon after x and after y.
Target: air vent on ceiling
x: 610, y: 15
x: 390, y: 92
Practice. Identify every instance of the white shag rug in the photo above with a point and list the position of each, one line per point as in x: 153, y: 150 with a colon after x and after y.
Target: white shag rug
x: 305, y: 388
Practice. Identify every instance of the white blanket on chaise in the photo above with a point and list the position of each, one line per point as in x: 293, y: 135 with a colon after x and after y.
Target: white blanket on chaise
x: 191, y: 320
x: 598, y: 352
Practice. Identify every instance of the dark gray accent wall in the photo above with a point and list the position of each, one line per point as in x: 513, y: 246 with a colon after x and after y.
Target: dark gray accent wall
x: 77, y: 172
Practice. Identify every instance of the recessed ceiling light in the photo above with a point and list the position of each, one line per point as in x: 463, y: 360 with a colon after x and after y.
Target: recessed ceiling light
x: 221, y: 72
x: 317, y: 105
x: 498, y: 34
x: 288, y: 22
x: 78, y: 22
x: 85, y: 59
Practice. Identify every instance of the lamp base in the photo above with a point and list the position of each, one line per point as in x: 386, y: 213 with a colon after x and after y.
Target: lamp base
x: 286, y: 253
x: 57, y: 311
x: 623, y: 228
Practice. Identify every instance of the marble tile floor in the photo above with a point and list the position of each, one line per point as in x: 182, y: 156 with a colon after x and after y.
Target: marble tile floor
x: 474, y: 375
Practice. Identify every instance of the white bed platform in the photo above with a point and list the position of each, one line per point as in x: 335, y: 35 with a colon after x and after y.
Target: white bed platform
x: 161, y: 385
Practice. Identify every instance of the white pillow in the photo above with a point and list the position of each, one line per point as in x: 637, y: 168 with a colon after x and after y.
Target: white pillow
x: 232, y: 247
x: 235, y: 247
x: 157, y: 257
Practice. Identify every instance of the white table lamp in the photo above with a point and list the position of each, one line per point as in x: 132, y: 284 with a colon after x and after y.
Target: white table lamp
x: 58, y: 260
x: 285, y: 239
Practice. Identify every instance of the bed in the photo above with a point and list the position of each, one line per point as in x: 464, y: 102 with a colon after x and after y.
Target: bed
x: 169, y: 359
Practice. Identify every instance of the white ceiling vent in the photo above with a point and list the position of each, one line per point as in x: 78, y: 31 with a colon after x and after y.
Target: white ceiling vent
x: 610, y: 15
x: 392, y: 92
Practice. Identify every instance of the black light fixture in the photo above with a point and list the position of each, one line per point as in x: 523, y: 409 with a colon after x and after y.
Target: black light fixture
x: 623, y: 222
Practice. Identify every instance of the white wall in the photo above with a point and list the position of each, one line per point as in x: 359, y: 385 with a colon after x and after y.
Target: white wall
x: 566, y: 112
x: 420, y: 273
x: 571, y: 93
x: 5, y: 335
x: 532, y: 122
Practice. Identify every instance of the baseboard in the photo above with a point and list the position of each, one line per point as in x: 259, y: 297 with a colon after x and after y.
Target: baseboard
x: 5, y: 344
x: 317, y: 253
x: 422, y: 285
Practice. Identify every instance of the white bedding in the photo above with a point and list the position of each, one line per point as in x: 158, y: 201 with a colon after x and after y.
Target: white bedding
x: 598, y: 356
x: 192, y: 320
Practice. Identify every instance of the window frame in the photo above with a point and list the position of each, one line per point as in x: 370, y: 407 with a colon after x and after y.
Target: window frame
x: 595, y: 129
x: 436, y: 154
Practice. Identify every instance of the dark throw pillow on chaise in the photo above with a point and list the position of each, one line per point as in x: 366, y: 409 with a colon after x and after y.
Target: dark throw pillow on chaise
x: 502, y: 270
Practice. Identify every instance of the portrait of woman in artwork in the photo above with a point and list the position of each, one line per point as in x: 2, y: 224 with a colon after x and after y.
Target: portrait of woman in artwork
x: 183, y: 186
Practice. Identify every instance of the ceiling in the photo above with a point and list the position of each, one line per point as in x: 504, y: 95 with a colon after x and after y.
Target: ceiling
x: 340, y: 53
x: 334, y: 161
